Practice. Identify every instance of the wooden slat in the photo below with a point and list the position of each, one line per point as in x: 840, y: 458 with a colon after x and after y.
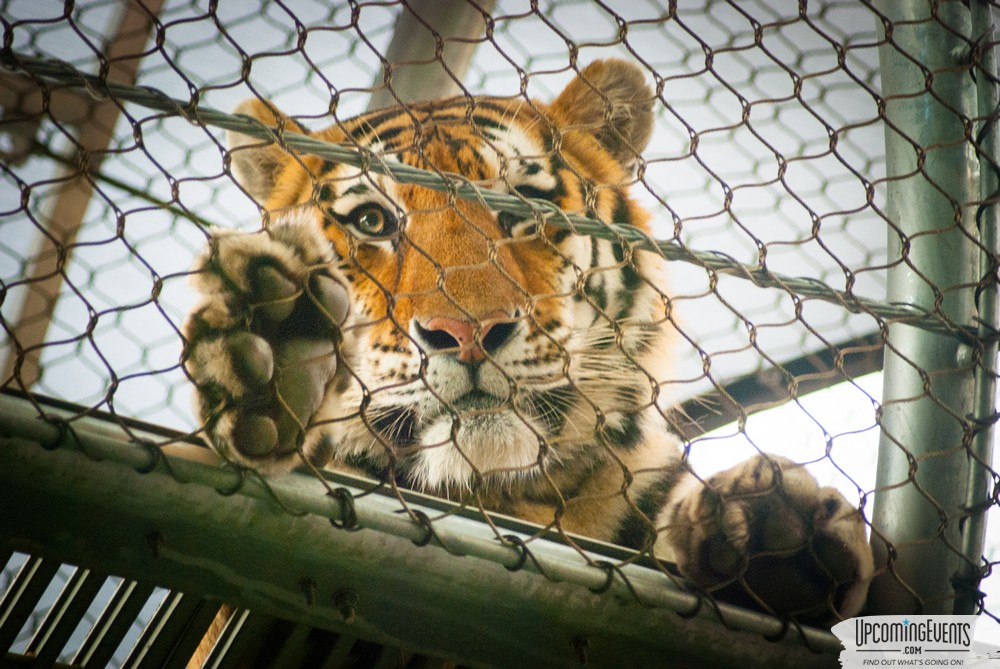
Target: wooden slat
x: 241, y: 637
x: 187, y: 641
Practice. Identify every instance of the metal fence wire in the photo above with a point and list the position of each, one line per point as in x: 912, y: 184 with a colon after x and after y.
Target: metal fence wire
x: 822, y: 186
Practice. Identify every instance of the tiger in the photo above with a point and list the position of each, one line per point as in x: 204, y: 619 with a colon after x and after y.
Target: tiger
x: 399, y: 332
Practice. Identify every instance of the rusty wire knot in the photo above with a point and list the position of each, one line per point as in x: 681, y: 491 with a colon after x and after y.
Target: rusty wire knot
x: 155, y: 455
x: 521, y: 548
x: 241, y: 479
x: 610, y: 569
x: 348, y: 513
x: 424, y: 521
x: 430, y: 534
x: 64, y: 430
x: 525, y: 554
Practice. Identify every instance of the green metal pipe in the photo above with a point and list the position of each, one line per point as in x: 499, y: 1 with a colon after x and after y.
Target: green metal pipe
x: 91, y: 497
x: 980, y: 472
x: 929, y: 99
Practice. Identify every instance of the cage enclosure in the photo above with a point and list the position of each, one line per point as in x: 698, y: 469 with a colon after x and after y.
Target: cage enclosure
x: 821, y: 179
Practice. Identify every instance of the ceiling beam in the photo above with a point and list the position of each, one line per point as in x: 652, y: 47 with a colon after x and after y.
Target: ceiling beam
x: 431, y: 48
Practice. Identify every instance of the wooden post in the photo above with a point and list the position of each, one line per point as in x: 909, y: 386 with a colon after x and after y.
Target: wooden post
x: 95, y: 122
x: 430, y: 51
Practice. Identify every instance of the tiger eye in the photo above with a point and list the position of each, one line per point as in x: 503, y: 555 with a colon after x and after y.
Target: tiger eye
x: 371, y: 221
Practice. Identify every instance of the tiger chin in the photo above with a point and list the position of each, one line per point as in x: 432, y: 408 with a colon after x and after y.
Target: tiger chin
x: 398, y: 332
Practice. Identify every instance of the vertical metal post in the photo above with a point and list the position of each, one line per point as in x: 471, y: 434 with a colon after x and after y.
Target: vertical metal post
x: 923, y: 464
x: 431, y: 48
x: 988, y: 304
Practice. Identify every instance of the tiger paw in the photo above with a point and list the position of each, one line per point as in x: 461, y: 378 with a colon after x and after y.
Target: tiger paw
x: 765, y: 534
x: 262, y: 342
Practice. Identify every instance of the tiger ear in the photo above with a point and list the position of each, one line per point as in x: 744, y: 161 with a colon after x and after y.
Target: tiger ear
x: 611, y: 100
x: 256, y: 163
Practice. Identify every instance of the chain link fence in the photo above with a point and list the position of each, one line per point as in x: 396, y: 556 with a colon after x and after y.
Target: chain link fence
x: 769, y: 177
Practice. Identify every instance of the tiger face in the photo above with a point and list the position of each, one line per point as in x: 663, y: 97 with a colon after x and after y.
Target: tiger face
x: 438, y: 344
x: 484, y: 349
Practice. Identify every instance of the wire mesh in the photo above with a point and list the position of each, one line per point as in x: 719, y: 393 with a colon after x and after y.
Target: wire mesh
x: 766, y: 176
x: 189, y: 147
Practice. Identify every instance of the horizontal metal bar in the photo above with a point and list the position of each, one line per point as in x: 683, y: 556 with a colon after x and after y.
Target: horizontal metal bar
x: 461, y: 187
x: 263, y: 544
x: 772, y: 387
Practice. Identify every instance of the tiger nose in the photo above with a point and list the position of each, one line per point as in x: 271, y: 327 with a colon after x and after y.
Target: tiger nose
x: 443, y: 333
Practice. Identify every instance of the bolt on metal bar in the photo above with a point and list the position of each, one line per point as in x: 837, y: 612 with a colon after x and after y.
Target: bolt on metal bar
x: 929, y: 98
x: 988, y: 305
x: 928, y: 318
